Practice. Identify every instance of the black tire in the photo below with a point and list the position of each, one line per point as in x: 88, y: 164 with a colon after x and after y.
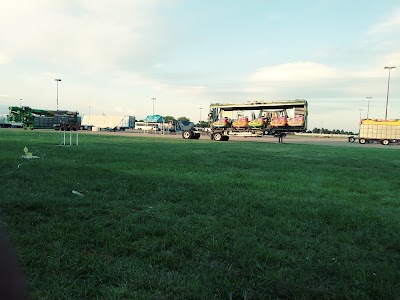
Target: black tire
x: 385, y: 142
x: 196, y: 136
x: 351, y: 139
x: 266, y: 132
x: 187, y: 134
x: 218, y: 136
x: 362, y: 141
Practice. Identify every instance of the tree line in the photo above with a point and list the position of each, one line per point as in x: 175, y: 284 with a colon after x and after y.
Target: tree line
x: 328, y: 131
x: 167, y: 119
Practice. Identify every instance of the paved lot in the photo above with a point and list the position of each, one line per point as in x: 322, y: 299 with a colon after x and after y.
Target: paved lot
x: 289, y: 139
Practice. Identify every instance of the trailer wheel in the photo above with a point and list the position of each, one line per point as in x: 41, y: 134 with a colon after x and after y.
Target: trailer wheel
x: 217, y: 136
x: 362, y: 141
x: 187, y: 134
x: 385, y: 142
x: 351, y: 139
x: 266, y: 132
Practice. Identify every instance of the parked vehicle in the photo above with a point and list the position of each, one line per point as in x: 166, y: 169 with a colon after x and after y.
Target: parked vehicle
x: 112, y: 123
x: 32, y: 118
x: 188, y: 130
x: 240, y: 119
x: 381, y: 131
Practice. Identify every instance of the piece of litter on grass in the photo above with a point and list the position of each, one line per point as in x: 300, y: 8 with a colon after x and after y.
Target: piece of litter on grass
x: 77, y: 193
x: 27, y: 154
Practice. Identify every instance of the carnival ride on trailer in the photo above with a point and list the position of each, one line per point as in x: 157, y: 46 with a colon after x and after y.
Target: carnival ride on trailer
x: 273, y: 117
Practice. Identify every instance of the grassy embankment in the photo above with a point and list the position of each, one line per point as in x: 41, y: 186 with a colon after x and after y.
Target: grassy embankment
x: 196, y: 219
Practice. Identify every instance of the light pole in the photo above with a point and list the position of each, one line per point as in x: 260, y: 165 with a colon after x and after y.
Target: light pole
x: 387, y: 96
x: 369, y: 98
x: 200, y: 108
x: 360, y: 114
x: 20, y: 101
x: 57, y: 90
x: 154, y: 99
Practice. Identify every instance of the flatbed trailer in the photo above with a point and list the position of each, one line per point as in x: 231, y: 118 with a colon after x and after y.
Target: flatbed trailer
x: 217, y: 134
x: 257, y: 118
x: 273, y: 117
x: 378, y: 131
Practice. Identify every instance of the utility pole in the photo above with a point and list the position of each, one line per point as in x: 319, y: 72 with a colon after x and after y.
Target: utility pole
x: 200, y: 108
x: 58, y: 80
x: 387, y: 95
x: 154, y: 99
x: 369, y: 98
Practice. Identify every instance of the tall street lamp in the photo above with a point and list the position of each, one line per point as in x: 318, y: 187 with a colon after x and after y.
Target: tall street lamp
x: 154, y: 99
x: 57, y: 90
x: 369, y: 98
x: 387, y: 96
x: 20, y: 102
x: 200, y: 108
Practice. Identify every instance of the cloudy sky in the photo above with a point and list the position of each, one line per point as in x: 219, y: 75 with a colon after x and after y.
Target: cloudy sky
x: 115, y: 56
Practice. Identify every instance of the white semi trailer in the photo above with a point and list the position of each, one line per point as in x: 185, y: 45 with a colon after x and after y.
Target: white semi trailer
x: 382, y: 131
x: 102, y: 122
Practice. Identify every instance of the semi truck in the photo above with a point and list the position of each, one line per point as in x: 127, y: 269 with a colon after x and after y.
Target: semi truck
x: 32, y: 118
x: 255, y: 119
x: 112, y: 123
x: 381, y: 131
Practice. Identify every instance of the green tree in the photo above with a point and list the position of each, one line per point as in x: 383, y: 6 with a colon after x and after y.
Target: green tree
x: 169, y: 118
x: 183, y: 119
x: 202, y: 124
x: 328, y: 131
x: 316, y: 130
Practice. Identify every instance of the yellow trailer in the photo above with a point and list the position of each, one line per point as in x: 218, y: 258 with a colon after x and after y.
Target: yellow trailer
x: 383, y: 131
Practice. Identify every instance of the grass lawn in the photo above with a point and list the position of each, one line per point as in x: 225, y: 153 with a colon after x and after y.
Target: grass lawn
x: 197, y: 219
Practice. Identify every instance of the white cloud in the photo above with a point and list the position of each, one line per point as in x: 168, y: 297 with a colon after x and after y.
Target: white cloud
x: 392, y: 59
x: 376, y: 70
x: 89, y: 35
x: 391, y: 24
x: 4, y: 59
x: 297, y: 71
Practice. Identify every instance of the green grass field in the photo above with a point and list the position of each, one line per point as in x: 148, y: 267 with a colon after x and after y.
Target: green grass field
x: 197, y: 219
